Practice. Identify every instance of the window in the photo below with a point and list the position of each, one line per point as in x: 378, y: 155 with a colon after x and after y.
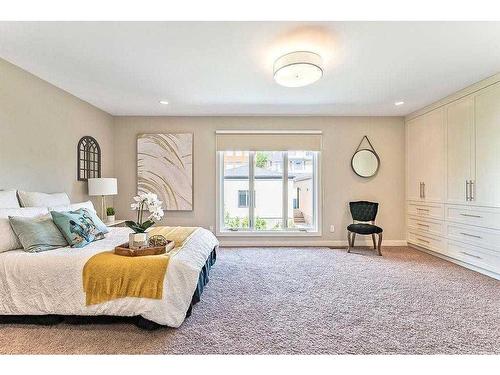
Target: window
x: 243, y: 198
x: 265, y: 193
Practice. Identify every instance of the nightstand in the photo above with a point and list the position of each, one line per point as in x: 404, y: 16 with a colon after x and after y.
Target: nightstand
x: 116, y: 223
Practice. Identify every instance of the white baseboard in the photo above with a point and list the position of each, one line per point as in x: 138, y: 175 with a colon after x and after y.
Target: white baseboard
x: 232, y: 242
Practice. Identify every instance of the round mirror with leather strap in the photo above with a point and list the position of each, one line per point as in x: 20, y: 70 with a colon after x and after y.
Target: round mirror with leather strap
x: 365, y: 162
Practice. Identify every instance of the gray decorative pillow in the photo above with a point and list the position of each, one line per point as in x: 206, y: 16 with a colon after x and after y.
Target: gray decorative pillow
x: 37, y: 233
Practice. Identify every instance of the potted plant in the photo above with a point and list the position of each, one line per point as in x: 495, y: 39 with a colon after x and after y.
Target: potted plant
x: 110, y: 213
x: 143, y: 202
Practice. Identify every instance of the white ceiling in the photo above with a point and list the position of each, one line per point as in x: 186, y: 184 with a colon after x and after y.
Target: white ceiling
x: 225, y: 68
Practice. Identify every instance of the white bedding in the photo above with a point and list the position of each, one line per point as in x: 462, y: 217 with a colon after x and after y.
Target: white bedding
x: 51, y: 282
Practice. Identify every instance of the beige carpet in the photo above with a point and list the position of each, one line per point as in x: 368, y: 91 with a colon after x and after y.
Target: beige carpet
x: 313, y: 300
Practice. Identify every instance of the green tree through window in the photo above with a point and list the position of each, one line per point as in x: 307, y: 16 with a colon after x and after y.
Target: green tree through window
x: 261, y: 159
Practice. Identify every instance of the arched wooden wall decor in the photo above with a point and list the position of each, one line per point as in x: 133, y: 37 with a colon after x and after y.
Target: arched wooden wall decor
x: 89, y: 159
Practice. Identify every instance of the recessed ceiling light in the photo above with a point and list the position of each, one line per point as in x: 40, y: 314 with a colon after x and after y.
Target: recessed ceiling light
x: 399, y: 103
x: 298, y: 69
x: 165, y: 102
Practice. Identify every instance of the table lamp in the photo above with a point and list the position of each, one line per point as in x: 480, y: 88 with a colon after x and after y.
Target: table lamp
x: 103, y: 187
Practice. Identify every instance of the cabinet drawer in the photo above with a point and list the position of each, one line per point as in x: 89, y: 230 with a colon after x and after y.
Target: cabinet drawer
x: 482, y: 217
x: 474, y: 255
x: 430, y: 210
x: 434, y: 243
x: 422, y: 225
x: 486, y: 238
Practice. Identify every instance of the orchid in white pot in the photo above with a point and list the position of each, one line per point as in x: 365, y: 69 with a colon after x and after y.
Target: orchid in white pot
x: 145, y: 202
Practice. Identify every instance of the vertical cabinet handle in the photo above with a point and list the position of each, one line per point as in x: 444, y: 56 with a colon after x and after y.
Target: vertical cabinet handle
x: 422, y: 190
x: 469, y: 190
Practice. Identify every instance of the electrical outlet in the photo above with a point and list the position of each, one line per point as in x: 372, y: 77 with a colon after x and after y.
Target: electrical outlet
x: 332, y: 228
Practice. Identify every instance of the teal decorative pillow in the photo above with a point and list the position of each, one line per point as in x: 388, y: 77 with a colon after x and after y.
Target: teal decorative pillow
x: 37, y: 233
x: 79, y: 227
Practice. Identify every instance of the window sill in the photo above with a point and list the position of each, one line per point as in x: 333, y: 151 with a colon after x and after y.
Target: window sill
x: 268, y: 234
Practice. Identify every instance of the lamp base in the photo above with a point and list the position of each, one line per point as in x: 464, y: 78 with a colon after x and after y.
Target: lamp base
x: 103, y: 208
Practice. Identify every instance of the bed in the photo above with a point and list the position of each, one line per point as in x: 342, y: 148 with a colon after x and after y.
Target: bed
x: 49, y: 284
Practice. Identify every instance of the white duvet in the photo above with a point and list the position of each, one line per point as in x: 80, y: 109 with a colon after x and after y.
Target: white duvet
x: 51, y: 282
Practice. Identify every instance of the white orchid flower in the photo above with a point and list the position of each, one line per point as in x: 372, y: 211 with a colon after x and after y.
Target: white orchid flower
x: 147, y: 201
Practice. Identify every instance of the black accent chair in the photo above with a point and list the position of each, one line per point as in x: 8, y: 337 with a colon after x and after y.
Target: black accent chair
x: 363, y: 215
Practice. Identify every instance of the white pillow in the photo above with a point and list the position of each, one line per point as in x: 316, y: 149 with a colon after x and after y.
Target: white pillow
x: 8, y: 239
x: 8, y: 199
x: 73, y: 207
x: 35, y: 199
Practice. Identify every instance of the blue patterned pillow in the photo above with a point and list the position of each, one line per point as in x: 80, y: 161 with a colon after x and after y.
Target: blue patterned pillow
x: 79, y: 227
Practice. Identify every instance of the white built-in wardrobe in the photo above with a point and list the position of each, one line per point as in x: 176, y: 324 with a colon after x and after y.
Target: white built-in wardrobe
x: 453, y: 178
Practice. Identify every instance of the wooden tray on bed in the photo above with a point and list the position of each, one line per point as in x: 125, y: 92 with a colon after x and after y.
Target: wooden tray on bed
x: 125, y: 250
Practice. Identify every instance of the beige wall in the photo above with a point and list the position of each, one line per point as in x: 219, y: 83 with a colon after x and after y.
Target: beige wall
x: 40, y: 126
x: 341, y: 135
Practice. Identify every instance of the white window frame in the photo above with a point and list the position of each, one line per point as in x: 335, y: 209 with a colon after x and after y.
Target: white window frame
x: 285, y: 232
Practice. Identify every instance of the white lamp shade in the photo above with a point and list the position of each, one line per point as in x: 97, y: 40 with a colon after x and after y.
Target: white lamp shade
x: 103, y: 186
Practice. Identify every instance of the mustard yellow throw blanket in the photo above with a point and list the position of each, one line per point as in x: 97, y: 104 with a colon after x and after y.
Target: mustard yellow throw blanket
x: 107, y: 276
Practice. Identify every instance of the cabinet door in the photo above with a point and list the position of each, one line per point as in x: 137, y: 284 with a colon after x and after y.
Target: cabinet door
x: 432, y: 157
x: 414, y: 139
x: 460, y: 139
x: 487, y: 147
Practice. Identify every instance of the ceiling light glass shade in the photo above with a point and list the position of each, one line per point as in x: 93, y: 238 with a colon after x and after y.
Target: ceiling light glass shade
x: 298, y: 69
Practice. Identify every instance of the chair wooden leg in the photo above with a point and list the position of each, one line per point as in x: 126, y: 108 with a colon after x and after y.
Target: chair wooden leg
x: 380, y: 244
x: 353, y: 238
x: 348, y: 241
x: 374, y: 242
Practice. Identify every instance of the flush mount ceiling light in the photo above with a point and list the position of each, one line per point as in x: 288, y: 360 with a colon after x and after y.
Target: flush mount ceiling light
x: 296, y: 69
x: 399, y: 103
x: 164, y: 102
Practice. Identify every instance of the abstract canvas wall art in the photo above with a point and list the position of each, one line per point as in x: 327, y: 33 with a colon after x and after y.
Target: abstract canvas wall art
x: 165, y: 167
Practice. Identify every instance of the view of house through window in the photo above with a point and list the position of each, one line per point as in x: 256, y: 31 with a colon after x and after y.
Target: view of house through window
x: 268, y: 190
x: 237, y: 199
